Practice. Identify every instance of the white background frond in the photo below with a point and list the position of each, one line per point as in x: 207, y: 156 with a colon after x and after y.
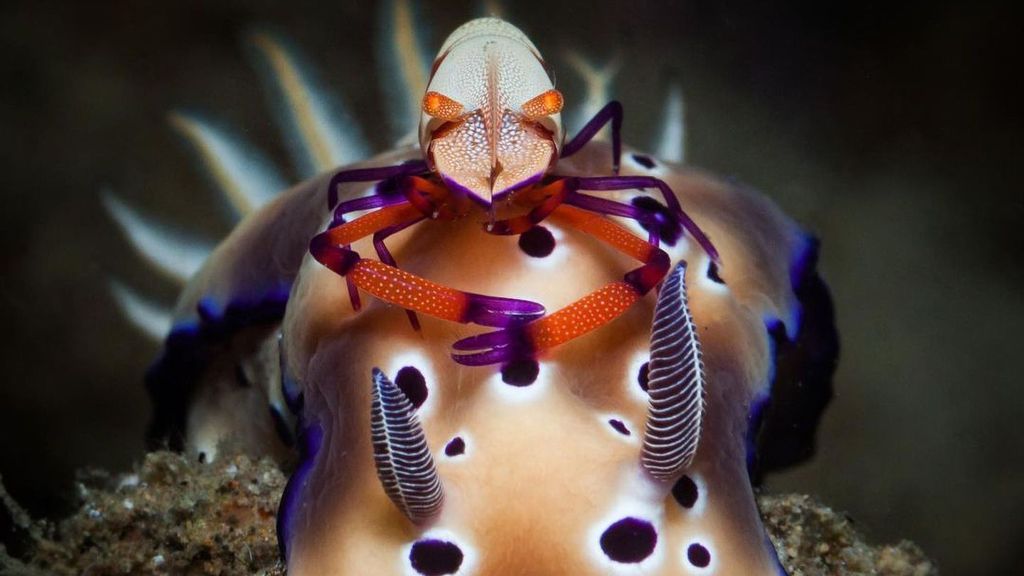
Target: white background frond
x: 322, y: 133
x: 149, y: 317
x: 245, y: 177
x: 175, y: 254
x: 672, y: 145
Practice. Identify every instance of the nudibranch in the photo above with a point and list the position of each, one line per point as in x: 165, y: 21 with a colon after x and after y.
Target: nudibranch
x: 627, y: 448
x: 541, y: 469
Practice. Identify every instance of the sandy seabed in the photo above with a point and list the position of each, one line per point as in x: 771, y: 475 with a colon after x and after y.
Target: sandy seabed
x: 175, y: 516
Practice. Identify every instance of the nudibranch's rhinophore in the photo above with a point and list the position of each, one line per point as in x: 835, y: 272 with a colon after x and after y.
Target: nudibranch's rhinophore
x: 628, y: 448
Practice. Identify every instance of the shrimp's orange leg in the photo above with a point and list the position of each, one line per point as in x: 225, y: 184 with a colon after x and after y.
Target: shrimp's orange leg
x: 408, y: 290
x: 584, y: 315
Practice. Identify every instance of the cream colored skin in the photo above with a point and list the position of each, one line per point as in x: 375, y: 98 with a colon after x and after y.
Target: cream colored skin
x: 544, y: 473
x: 491, y: 69
x: 228, y: 415
x: 264, y: 251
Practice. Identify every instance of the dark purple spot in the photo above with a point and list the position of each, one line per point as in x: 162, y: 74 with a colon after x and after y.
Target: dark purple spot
x: 520, y: 372
x: 644, y: 376
x: 435, y: 557
x: 455, y: 447
x: 629, y: 540
x: 698, y: 555
x: 685, y: 492
x: 644, y: 161
x: 619, y: 426
x: 413, y: 384
x: 713, y: 273
x: 658, y: 219
x: 537, y: 242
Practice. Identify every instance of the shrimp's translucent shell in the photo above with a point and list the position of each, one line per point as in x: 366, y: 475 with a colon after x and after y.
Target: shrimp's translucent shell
x: 491, y: 121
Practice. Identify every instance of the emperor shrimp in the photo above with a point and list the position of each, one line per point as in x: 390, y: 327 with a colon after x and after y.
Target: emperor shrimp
x: 491, y: 135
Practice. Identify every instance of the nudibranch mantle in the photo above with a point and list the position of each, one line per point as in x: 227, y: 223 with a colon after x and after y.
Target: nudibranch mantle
x: 545, y: 488
x: 539, y: 463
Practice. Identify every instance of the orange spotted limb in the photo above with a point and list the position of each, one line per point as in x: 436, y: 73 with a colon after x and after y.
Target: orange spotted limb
x: 582, y: 316
x: 409, y: 291
x: 610, y: 232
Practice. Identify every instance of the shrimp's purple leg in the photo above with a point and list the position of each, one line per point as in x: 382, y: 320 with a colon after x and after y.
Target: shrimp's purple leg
x: 612, y: 112
x: 386, y: 194
x: 560, y: 200
x: 611, y: 183
x: 385, y: 256
x: 409, y: 291
x: 659, y: 223
x: 409, y: 168
x: 365, y: 203
x: 377, y: 200
x: 594, y: 310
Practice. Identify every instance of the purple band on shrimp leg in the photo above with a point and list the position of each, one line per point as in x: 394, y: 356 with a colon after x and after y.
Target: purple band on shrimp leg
x: 340, y: 259
x: 612, y: 112
x: 365, y: 203
x: 610, y: 183
x: 385, y: 256
x: 498, y: 338
x: 500, y: 312
x: 370, y: 174
x: 387, y: 192
x: 357, y: 204
x: 488, y: 358
x: 353, y: 294
x: 498, y: 347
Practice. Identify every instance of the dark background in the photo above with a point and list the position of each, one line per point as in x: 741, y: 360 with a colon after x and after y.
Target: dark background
x: 892, y: 131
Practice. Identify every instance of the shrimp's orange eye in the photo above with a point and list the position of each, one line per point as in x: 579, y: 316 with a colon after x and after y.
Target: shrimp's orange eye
x: 440, y: 106
x: 545, y: 104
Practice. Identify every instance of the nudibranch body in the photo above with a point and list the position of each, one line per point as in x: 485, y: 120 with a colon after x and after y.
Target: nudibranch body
x: 541, y: 473
x: 412, y: 463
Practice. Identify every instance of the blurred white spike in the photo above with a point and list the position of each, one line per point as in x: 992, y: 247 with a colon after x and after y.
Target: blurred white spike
x: 492, y: 8
x: 672, y: 146
x: 173, y: 253
x: 242, y: 173
x: 322, y: 135
x: 598, y: 84
x: 405, y: 65
x: 151, y: 318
